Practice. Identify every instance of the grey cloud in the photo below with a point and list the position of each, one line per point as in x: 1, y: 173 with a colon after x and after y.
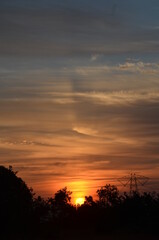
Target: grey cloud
x: 65, y: 117
x: 10, y: 155
x: 65, y: 31
x: 42, y: 31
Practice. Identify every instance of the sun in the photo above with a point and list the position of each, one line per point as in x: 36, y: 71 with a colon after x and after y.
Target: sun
x: 79, y: 201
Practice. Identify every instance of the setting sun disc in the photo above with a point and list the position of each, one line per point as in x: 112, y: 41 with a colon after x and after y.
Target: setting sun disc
x: 79, y: 201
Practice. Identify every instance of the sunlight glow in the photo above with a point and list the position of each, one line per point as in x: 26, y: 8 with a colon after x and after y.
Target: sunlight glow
x: 79, y: 201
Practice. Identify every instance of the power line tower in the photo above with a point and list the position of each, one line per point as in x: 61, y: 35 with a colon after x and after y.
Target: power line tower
x: 133, y: 181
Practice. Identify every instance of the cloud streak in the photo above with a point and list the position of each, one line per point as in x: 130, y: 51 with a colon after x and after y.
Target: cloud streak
x: 79, y: 91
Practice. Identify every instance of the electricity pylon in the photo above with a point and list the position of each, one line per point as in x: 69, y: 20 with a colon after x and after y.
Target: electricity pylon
x: 133, y: 181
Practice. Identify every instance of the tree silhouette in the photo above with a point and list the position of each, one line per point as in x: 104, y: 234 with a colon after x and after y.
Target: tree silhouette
x: 62, y: 197
x: 108, y: 195
x: 15, y: 199
x: 57, y: 218
x: 89, y: 201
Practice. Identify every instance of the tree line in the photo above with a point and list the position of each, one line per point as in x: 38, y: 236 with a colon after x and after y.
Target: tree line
x: 22, y: 213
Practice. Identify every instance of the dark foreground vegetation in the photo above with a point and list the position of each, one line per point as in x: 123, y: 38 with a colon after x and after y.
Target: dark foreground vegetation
x: 112, y: 216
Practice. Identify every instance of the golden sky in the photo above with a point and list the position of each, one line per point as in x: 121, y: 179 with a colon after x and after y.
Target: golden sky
x: 79, y: 92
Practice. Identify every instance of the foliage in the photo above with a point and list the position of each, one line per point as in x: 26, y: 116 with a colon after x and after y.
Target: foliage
x: 62, y: 197
x: 108, y: 195
x: 16, y: 199
x: 89, y: 201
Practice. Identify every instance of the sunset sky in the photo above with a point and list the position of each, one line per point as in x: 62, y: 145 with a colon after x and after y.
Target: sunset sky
x: 79, y: 92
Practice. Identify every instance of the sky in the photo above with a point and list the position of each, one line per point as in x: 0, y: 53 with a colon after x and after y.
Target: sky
x: 79, y: 92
